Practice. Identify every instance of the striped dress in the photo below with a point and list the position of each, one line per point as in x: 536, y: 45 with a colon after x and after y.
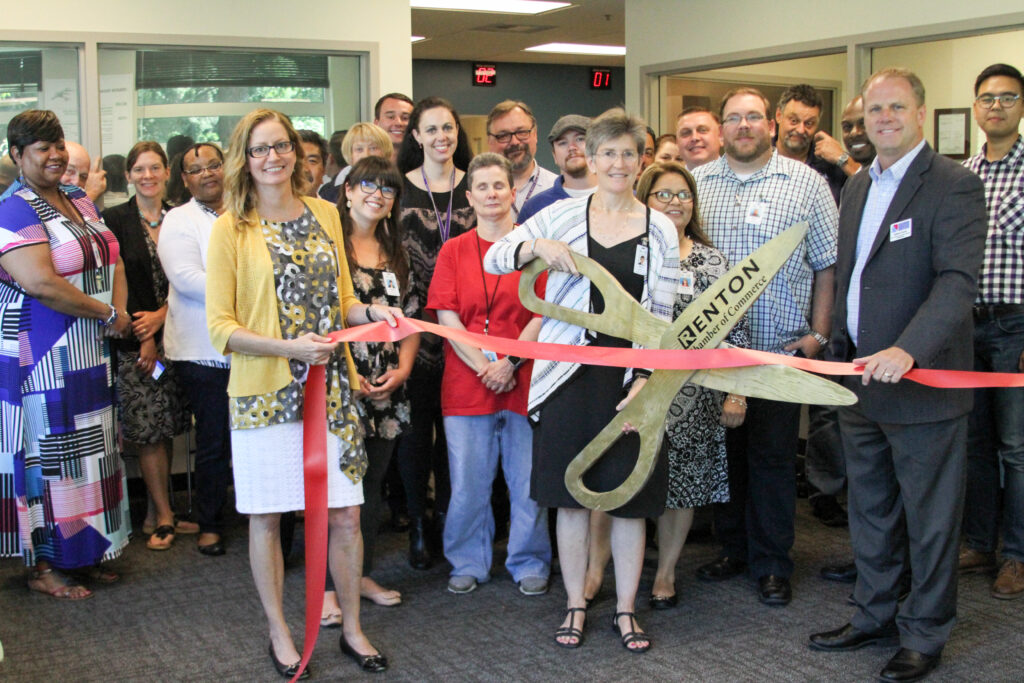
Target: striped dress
x: 62, y: 482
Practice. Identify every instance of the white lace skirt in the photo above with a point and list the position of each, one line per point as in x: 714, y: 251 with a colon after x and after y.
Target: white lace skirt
x: 267, y: 466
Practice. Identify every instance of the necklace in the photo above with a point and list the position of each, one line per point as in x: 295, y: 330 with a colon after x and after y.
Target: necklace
x: 153, y: 224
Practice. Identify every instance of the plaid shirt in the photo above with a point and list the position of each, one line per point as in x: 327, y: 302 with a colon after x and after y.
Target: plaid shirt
x: 1001, y: 280
x: 785, y: 192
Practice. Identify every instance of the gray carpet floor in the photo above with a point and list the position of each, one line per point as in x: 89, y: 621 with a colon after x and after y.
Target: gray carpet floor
x: 179, y: 616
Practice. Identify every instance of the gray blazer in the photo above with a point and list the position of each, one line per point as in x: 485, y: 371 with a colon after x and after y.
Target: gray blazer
x: 917, y: 292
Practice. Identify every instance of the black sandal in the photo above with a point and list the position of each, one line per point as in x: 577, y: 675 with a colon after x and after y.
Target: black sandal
x: 631, y: 636
x: 571, y: 631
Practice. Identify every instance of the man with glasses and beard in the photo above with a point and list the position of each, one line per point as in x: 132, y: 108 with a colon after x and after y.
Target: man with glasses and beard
x: 203, y: 372
x: 748, y: 196
x: 512, y: 133
x: 568, y: 138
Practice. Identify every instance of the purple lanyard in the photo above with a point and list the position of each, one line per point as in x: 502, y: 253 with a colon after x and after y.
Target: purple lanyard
x: 443, y: 227
x: 533, y: 186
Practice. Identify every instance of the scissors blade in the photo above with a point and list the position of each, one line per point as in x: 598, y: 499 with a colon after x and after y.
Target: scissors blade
x: 776, y: 382
x: 705, y: 323
x: 623, y: 316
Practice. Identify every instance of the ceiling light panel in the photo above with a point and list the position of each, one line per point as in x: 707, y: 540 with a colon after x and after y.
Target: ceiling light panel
x: 578, y: 49
x: 492, y: 6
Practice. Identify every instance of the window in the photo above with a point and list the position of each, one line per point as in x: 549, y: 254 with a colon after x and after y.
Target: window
x: 39, y: 78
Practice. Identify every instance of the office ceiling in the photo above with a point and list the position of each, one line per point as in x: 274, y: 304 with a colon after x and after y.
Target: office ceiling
x: 488, y: 37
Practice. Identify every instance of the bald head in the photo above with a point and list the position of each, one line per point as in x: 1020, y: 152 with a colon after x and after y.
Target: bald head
x: 77, y: 171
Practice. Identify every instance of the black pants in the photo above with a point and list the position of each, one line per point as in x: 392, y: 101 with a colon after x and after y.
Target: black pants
x: 206, y: 389
x: 423, y: 446
x: 757, y: 524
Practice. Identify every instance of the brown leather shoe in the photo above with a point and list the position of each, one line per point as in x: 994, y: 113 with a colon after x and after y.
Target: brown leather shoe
x: 1009, y: 584
x: 973, y: 561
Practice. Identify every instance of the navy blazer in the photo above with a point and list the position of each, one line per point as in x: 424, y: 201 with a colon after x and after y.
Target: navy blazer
x: 917, y: 292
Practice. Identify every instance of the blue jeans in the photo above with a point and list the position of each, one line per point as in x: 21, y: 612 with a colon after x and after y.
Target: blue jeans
x: 996, y: 441
x: 475, y: 444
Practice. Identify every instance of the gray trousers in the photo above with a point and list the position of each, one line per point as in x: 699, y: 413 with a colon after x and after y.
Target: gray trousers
x: 906, y: 494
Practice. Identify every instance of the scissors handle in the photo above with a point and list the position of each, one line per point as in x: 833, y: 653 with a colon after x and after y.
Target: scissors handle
x: 646, y: 413
x: 623, y: 316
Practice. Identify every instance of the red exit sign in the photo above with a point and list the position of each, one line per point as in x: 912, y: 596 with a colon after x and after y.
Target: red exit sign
x: 485, y: 75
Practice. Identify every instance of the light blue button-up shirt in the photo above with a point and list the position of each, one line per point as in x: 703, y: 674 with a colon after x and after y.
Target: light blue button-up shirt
x: 883, y: 188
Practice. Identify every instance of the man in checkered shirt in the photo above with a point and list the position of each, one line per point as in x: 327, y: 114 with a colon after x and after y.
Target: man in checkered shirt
x: 747, y: 197
x: 996, y: 426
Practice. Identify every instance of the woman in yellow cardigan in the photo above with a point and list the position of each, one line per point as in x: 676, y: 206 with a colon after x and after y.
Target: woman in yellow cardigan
x: 277, y: 283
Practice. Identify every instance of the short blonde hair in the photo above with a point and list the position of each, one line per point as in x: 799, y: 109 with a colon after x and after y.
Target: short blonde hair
x: 367, y: 132
x: 239, y: 196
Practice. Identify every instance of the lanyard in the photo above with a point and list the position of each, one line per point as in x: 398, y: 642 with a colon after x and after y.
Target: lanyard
x: 533, y: 186
x: 444, y: 228
x: 488, y: 300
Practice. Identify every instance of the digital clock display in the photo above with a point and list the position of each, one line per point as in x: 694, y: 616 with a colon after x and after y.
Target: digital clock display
x: 600, y: 79
x: 485, y: 75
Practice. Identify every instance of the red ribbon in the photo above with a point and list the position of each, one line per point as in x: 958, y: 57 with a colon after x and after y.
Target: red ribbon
x: 314, y: 466
x: 315, y: 409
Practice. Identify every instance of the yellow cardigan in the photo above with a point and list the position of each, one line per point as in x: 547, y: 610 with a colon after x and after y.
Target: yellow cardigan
x: 240, y: 293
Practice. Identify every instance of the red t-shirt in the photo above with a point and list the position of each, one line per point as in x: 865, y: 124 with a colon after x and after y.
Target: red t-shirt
x: 458, y: 285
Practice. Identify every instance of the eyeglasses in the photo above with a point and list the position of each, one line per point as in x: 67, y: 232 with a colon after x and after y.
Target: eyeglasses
x: 521, y: 135
x: 665, y: 196
x: 1006, y: 100
x: 369, y: 187
x: 753, y: 118
x: 212, y: 168
x: 610, y: 155
x: 282, y: 148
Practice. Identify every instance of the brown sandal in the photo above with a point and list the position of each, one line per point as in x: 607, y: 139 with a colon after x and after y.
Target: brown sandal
x: 63, y: 591
x: 162, y: 538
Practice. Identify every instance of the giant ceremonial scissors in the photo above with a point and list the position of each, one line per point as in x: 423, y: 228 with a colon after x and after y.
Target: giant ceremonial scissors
x: 704, y: 324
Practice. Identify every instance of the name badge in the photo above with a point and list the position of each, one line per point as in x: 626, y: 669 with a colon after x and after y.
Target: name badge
x: 685, y: 283
x: 391, y: 284
x: 490, y: 355
x: 755, y: 212
x: 640, y: 260
x: 900, y: 230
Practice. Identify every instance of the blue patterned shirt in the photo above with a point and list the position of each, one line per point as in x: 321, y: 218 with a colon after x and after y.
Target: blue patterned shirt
x: 1001, y: 280
x: 740, y: 215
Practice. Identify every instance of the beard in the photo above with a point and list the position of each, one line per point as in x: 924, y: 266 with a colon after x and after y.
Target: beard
x: 762, y: 146
x: 796, y: 144
x: 524, y: 160
x: 576, y: 170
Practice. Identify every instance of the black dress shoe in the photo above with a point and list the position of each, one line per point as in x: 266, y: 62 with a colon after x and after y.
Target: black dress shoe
x: 909, y: 665
x: 828, y: 510
x: 287, y: 671
x: 721, y: 569
x: 843, y: 573
x: 774, y: 591
x: 663, y: 601
x: 849, y: 637
x: 419, y: 556
x: 374, y: 664
x: 212, y: 549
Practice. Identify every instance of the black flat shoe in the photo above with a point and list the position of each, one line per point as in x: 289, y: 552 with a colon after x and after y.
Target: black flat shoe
x: 374, y: 664
x: 663, y: 601
x: 909, y: 665
x: 214, y: 549
x: 843, y: 573
x: 774, y: 591
x: 419, y: 555
x: 721, y: 569
x: 849, y: 637
x: 287, y: 671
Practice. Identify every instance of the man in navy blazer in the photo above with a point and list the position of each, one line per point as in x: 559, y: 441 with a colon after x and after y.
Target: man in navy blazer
x: 911, y: 237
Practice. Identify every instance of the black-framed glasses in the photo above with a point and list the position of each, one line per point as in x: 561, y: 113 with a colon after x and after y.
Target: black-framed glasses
x: 283, y: 147
x: 212, y: 168
x: 521, y: 135
x: 369, y: 187
x: 665, y: 196
x: 1006, y: 100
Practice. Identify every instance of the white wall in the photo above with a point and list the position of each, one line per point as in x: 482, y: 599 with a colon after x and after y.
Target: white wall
x: 725, y: 30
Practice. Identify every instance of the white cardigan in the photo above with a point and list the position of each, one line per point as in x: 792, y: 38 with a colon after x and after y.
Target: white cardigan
x: 184, y: 239
x: 566, y: 221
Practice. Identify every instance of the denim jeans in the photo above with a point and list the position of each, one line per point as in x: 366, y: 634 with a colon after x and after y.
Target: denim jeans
x: 996, y: 441
x: 475, y: 444
x: 206, y: 389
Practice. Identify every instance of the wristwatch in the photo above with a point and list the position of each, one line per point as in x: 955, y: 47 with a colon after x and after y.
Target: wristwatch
x: 843, y: 158
x: 516, y: 361
x: 111, y: 319
x: 820, y: 338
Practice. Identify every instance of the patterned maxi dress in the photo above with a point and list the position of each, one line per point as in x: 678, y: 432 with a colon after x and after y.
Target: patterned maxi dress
x: 62, y: 482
